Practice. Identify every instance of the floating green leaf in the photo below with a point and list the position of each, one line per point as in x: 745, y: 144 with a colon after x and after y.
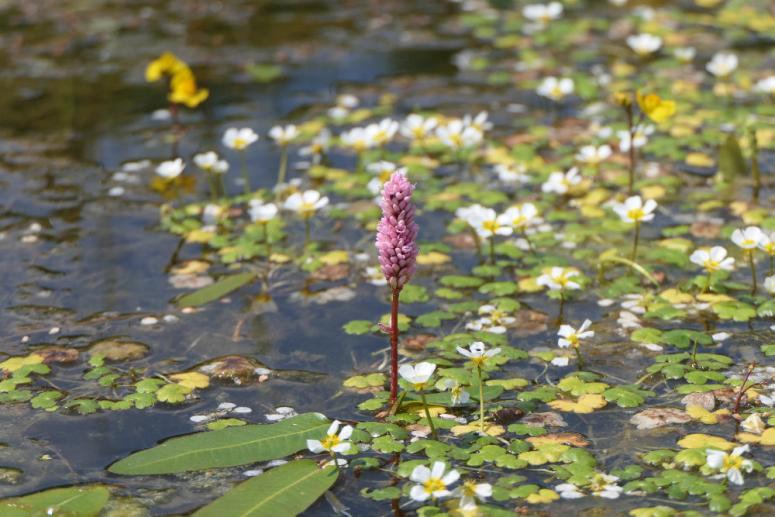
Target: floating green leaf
x: 216, y: 290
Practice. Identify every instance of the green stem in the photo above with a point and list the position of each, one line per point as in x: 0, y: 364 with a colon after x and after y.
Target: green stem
x: 492, y: 250
x: 428, y: 415
x: 635, y: 241
x: 306, y: 233
x: 631, y: 129
x: 245, y: 173
x: 283, y: 164
x: 579, y: 359
x: 481, y: 399
x: 753, y: 271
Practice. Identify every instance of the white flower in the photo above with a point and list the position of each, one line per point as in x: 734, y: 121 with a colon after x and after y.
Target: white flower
x: 470, y: 491
x: 644, y: 44
x: 685, y: 54
x: 383, y: 169
x: 211, y: 213
x: 488, y: 224
x: 748, y: 238
x: 375, y: 276
x: 713, y: 260
x: 618, y: 3
x: 477, y: 352
x: 766, y: 85
x: 601, y: 485
x: 479, y: 122
x: 722, y: 64
x: 358, y: 139
x: 542, y: 13
x: 493, y: 321
x: 261, y: 212
x: 383, y: 132
x: 171, y: 169
x: 512, y: 173
x: 432, y: 482
x: 239, y: 139
x: 318, y: 146
x: 730, y: 465
x: 209, y: 162
x: 634, y: 210
x: 456, y: 135
x: 591, y: 155
x: 559, y: 278
x: 569, y: 491
x: 283, y: 135
x: 753, y: 424
x: 639, y: 138
x: 417, y: 375
x: 306, y: 203
x: 769, y: 284
x: 570, y: 337
x: 767, y: 243
x: 562, y: 182
x: 457, y: 394
x: 334, y: 441
x: 417, y: 128
x: 555, y: 89
x: 520, y: 217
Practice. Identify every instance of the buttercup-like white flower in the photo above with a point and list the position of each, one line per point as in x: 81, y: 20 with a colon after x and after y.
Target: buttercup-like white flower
x: 766, y: 85
x: 559, y: 278
x: 555, y: 89
x: 713, y: 260
x: 731, y: 465
x: 457, y: 393
x: 562, y: 182
x: 418, y: 128
x: 592, y: 155
x: 261, y: 212
x: 171, y: 169
x: 306, y: 203
x: 748, y: 238
x: 456, y: 135
x: 283, y: 135
x: 358, y: 139
x: 722, y: 64
x: 767, y: 244
x: 493, y: 320
x: 640, y: 137
x: 522, y: 216
x: 644, y: 44
x: 318, y: 146
x: 471, y: 491
x: 512, y: 173
x: 209, y: 162
x: 634, y: 210
x: 383, y: 132
x: 239, y: 139
x: 571, y: 338
x: 685, y: 54
x: 477, y: 352
x: 479, y: 122
x: 433, y: 482
x: 601, y: 485
x: 334, y: 441
x: 417, y: 375
x: 542, y: 13
x: 485, y: 221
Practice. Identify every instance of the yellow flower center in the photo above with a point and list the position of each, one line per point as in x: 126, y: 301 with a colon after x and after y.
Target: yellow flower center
x: 330, y: 441
x: 573, y: 339
x: 491, y: 226
x: 732, y: 462
x: 711, y: 265
x: 556, y: 93
x: 240, y: 143
x: 433, y: 485
x: 636, y: 214
x: 519, y: 221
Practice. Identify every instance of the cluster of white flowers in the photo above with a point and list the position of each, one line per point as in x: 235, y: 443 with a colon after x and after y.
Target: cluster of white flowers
x: 555, y: 88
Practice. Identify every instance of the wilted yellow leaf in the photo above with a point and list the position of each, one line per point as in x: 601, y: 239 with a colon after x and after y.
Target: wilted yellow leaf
x: 701, y: 441
x: 675, y: 296
x: 335, y: 257
x: 199, y: 236
x: 14, y: 363
x: 705, y: 416
x: 542, y: 496
x: 489, y: 429
x: 279, y: 258
x: 191, y: 267
x: 699, y: 160
x: 585, y: 404
x: 529, y: 285
x: 433, y: 258
x: 191, y: 380
x: 653, y: 191
x: 766, y: 438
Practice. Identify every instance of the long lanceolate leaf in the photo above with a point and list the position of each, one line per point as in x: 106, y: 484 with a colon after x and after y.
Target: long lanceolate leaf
x: 83, y: 501
x: 217, y: 290
x: 284, y: 491
x: 225, y: 448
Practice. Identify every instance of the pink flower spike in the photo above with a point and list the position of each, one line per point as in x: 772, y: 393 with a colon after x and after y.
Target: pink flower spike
x: 397, y: 231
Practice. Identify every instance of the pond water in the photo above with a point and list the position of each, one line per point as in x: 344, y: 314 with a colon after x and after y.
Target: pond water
x: 92, y: 262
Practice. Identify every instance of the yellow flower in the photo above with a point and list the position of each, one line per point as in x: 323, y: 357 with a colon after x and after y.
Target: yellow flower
x: 183, y: 89
x: 655, y: 107
x: 167, y: 64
